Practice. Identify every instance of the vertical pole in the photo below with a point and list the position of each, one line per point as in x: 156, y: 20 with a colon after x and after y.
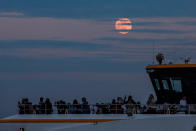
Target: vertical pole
x: 116, y: 108
x: 189, y: 109
x: 153, y: 53
x: 24, y: 109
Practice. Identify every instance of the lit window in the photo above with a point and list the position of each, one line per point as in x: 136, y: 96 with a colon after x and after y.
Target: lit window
x: 157, y: 83
x: 165, y: 84
x: 176, y: 85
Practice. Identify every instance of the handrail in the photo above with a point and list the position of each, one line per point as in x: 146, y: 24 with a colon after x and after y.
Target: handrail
x: 106, y: 109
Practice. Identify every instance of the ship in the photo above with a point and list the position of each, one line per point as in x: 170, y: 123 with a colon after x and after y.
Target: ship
x: 170, y: 81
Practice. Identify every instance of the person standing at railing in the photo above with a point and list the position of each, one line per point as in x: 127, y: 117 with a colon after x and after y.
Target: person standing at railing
x: 138, y: 108
x: 120, y: 102
x: 85, y: 106
x: 99, y: 108
x: 48, y: 106
x: 113, y: 107
x: 151, y: 109
x: 21, y: 107
x: 94, y: 108
x: 41, y: 106
x: 67, y: 108
x: 75, y: 107
x: 25, y: 107
x: 183, y: 104
x: 130, y: 106
x: 60, y: 106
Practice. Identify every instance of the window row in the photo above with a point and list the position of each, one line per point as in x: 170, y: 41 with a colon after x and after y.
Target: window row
x: 176, y: 85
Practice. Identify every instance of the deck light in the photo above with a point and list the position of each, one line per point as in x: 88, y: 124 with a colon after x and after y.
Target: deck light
x: 21, y: 129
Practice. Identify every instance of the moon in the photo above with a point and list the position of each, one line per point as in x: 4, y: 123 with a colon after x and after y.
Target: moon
x: 123, y: 25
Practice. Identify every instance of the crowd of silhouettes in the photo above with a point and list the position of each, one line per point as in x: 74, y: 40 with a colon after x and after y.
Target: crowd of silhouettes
x: 117, y: 106
x: 74, y: 108
x: 26, y: 107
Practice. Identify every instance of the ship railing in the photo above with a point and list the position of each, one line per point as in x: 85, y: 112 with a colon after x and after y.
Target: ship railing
x: 107, y: 109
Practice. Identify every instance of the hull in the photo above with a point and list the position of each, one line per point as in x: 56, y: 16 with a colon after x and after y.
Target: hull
x: 139, y: 122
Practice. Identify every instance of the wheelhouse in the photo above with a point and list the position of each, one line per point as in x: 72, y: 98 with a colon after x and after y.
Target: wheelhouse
x: 171, y: 82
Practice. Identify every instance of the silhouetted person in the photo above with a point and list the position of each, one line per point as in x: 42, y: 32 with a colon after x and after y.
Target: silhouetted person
x: 99, y: 108
x: 183, y: 104
x: 36, y: 109
x: 67, y: 108
x: 41, y: 106
x: 130, y: 106
x: 138, y: 107
x: 21, y: 107
x: 113, y: 107
x: 48, y: 106
x: 104, y: 108
x: 119, y: 103
x: 24, y: 106
x: 151, y: 104
x: 61, y: 107
x: 95, y: 108
x: 85, y: 106
x: 75, y: 108
x: 130, y: 100
x: 151, y: 100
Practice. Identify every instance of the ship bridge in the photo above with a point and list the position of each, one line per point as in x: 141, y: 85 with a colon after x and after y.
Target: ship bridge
x: 173, y: 81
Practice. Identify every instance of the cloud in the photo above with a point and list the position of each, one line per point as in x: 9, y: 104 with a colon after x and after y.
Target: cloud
x: 88, y: 30
x: 164, y: 19
x: 125, y: 53
x: 11, y: 14
x: 51, y: 29
x: 135, y: 46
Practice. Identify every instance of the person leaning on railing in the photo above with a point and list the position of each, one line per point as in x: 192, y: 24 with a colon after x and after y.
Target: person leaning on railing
x: 130, y: 106
x: 61, y: 106
x: 25, y: 107
x: 85, y: 106
x: 151, y: 107
x: 41, y: 106
x: 48, y: 107
x: 183, y: 104
x: 113, y: 107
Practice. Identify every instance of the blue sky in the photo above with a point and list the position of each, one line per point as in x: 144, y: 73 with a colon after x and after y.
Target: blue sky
x: 68, y: 49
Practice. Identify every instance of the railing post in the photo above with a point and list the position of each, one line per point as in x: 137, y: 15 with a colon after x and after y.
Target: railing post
x: 116, y: 108
x: 24, y: 109
x: 189, y: 108
x: 45, y: 109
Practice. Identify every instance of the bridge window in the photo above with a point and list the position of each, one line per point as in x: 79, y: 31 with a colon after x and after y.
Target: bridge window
x: 176, y: 85
x: 165, y: 85
x: 157, y: 84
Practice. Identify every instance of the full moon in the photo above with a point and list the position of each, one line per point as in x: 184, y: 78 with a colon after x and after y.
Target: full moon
x: 123, y: 25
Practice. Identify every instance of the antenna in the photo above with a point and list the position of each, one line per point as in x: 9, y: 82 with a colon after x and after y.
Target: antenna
x: 153, y: 53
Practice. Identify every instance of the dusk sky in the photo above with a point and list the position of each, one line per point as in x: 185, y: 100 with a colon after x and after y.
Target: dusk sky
x: 68, y: 49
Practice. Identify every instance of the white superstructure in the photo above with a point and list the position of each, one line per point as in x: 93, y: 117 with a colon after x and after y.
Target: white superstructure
x: 91, y: 122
